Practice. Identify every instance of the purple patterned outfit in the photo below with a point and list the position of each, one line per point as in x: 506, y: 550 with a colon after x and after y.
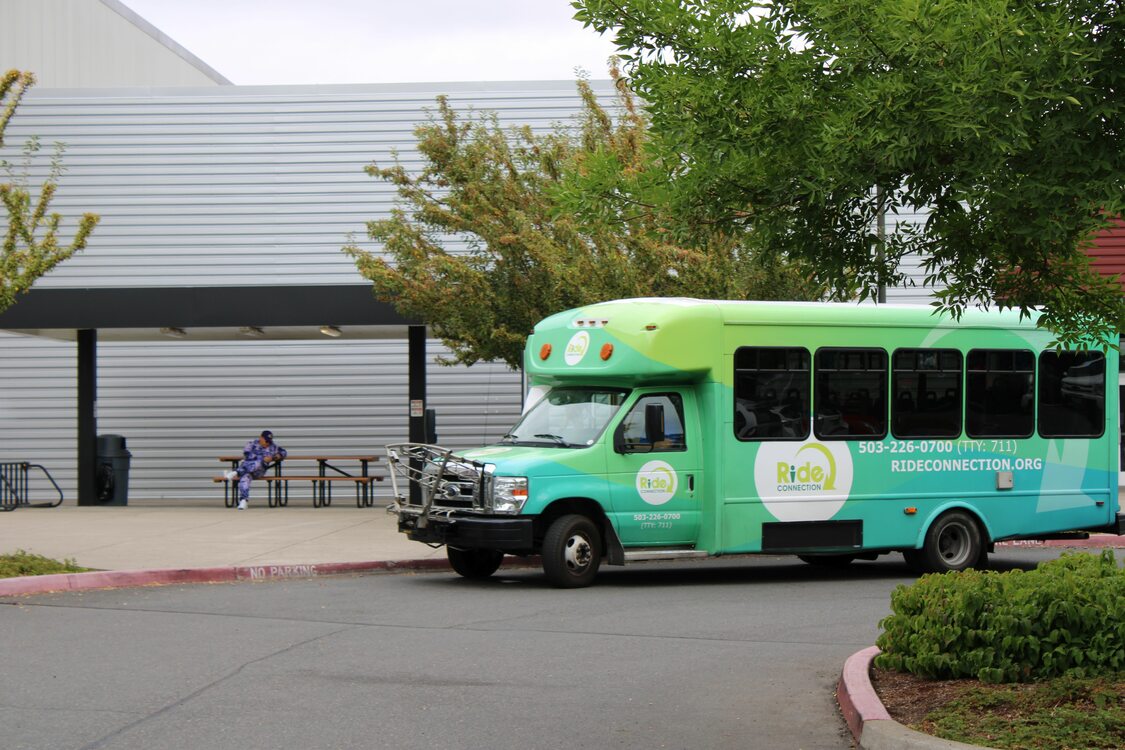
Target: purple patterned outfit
x: 254, y: 465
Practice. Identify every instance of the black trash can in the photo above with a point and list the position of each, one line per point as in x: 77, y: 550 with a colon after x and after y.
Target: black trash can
x: 113, y: 470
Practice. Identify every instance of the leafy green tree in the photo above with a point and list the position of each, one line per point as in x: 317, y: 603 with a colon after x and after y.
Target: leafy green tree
x: 802, y: 122
x: 32, y: 245
x: 483, y: 245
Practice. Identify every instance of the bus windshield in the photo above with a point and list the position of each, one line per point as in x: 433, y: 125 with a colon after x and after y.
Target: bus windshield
x: 568, y: 417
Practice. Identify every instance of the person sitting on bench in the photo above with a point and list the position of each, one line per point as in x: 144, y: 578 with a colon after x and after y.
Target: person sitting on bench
x: 257, y: 456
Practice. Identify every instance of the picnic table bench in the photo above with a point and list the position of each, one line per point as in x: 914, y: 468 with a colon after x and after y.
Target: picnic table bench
x: 277, y: 483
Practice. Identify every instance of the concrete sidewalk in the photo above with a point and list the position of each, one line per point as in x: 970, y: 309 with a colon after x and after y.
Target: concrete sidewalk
x: 194, y: 534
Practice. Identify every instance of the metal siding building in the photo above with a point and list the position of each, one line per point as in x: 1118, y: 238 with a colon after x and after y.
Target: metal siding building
x: 239, y: 186
x: 94, y: 43
x: 1108, y: 251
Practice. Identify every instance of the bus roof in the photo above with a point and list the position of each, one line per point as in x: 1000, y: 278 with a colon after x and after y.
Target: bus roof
x: 757, y: 312
x: 634, y: 341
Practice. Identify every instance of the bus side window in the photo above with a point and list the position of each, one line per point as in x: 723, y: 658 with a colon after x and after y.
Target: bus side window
x: 918, y: 376
x: 771, y: 393
x: 999, y: 393
x: 1071, y: 394
x: 861, y: 375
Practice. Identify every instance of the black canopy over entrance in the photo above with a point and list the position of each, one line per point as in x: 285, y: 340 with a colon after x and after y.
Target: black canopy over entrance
x: 220, y: 312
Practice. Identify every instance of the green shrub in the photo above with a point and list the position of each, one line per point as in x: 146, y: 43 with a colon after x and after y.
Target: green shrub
x: 1066, y: 617
x: 23, y: 563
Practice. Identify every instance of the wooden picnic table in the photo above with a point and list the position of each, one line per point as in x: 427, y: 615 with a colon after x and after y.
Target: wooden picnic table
x: 277, y: 485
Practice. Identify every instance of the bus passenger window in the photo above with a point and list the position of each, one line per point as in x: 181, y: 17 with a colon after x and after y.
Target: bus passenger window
x: 999, y: 391
x: 771, y: 393
x: 1071, y: 394
x: 860, y: 375
x: 919, y: 376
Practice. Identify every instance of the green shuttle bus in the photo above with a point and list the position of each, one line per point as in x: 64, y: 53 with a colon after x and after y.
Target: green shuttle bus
x: 669, y: 428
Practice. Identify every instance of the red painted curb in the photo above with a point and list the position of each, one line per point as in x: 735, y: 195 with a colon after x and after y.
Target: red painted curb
x: 1096, y: 541
x: 111, y: 579
x: 114, y: 579
x: 857, y: 698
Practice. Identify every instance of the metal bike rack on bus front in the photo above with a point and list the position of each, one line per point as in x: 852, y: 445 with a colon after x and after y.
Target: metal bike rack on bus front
x: 15, y: 486
x: 445, y: 482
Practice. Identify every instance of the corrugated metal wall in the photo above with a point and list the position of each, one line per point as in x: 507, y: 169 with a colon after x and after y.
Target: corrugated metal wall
x: 1108, y: 251
x: 911, y: 265
x: 93, y: 43
x: 181, y: 404
x: 241, y: 185
x: 247, y: 184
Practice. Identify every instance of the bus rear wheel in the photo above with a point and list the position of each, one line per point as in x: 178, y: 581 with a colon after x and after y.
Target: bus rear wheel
x: 572, y: 552
x: 953, y: 542
x: 475, y: 564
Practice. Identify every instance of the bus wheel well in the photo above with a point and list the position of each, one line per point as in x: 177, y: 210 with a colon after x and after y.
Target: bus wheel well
x: 955, y: 539
x: 582, y: 506
x: 972, y: 514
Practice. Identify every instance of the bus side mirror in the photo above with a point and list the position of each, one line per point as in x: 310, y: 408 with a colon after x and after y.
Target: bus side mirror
x: 654, y: 423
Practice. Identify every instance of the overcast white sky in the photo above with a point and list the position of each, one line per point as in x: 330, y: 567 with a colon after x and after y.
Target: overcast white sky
x: 381, y: 41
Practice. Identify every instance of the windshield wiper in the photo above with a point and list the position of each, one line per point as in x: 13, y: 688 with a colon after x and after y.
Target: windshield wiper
x: 557, y: 438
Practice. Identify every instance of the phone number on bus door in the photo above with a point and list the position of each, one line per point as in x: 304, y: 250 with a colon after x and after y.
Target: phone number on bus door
x: 656, y: 516
x: 957, y: 447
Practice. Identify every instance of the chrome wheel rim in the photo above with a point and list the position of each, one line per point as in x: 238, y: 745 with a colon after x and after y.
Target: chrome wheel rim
x: 578, y: 554
x: 953, y: 545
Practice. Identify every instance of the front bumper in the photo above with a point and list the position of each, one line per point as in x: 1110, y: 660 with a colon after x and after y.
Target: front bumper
x: 503, y: 534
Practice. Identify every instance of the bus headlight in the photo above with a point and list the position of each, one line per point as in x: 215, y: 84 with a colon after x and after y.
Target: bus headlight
x: 508, y: 494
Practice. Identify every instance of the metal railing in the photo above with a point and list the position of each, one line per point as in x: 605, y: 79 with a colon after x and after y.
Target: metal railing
x: 15, y: 486
x: 443, y: 482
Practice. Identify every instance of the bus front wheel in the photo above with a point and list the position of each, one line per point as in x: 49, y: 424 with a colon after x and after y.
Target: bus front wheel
x: 572, y: 552
x: 475, y: 564
x: 954, y: 542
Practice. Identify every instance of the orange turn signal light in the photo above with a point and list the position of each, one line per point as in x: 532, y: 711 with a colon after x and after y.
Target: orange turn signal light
x: 910, y: 511
x: 607, y: 351
x: 544, y: 351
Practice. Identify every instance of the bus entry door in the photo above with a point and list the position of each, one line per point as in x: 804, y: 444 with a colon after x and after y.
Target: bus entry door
x: 655, y: 471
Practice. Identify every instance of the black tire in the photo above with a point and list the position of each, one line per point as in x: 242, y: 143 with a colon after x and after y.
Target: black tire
x: 914, y: 560
x: 827, y: 561
x: 572, y: 552
x: 474, y: 564
x: 953, y: 542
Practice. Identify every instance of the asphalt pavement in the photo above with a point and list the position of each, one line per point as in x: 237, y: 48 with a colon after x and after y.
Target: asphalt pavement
x: 163, y: 542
